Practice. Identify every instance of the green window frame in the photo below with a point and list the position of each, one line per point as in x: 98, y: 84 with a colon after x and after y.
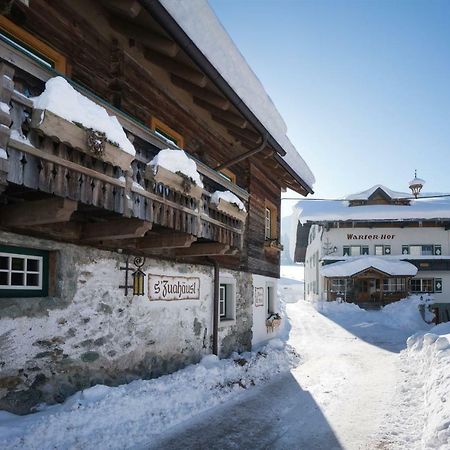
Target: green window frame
x: 24, y: 264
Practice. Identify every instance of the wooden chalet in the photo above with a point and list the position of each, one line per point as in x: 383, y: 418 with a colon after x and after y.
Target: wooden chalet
x: 90, y: 232
x: 134, y: 60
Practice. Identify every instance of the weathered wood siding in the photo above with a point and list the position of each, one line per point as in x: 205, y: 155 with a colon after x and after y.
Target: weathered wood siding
x: 259, y: 259
x: 107, y: 67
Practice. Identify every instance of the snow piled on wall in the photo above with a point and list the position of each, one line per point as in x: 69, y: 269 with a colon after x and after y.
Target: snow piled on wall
x: 62, y: 99
x: 228, y: 197
x: 177, y: 161
x: 430, y: 354
x: 194, y: 17
x: 131, y: 415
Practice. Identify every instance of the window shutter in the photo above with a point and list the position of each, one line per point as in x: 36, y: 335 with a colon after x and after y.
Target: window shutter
x: 438, y: 285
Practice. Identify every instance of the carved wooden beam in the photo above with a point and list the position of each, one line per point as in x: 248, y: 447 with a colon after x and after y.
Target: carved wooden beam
x: 141, y: 34
x: 65, y: 230
x: 202, y: 93
x: 166, y: 241
x: 228, y: 116
x: 115, y: 229
x: 176, y: 67
x: 128, y: 8
x: 206, y: 249
x: 40, y: 212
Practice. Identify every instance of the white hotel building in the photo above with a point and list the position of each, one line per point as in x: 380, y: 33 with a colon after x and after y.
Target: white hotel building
x: 375, y: 247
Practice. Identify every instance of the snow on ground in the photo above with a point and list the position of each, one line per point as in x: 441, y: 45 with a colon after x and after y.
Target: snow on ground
x: 358, y: 387
x: 63, y: 100
x: 177, y: 161
x: 429, y: 354
x: 291, y: 284
x: 129, y: 415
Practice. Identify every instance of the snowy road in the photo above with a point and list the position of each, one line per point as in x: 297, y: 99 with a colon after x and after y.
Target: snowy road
x: 336, y: 399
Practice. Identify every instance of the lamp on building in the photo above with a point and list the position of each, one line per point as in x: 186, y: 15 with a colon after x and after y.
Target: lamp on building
x: 138, y: 276
x: 416, y: 185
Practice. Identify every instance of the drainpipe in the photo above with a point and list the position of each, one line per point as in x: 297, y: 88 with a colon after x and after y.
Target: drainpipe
x: 216, y: 306
x: 237, y: 159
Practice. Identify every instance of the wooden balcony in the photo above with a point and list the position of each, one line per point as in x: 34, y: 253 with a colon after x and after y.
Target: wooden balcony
x: 55, y: 186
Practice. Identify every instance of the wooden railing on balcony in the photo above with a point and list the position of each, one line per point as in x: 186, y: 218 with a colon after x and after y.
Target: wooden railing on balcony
x: 48, y: 164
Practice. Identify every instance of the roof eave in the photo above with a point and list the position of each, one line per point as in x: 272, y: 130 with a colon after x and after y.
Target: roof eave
x: 163, y: 17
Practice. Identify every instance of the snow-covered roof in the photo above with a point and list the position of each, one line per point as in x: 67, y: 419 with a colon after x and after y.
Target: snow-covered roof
x: 352, y: 266
x: 416, y: 181
x: 202, y: 26
x: 365, y: 195
x: 333, y: 211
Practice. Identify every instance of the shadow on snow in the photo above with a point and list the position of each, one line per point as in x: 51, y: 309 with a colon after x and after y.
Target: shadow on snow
x: 278, y: 415
x: 369, y: 327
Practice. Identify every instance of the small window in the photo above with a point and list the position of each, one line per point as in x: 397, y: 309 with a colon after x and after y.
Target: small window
x: 227, y: 303
x: 438, y: 285
x: 268, y: 224
x: 30, y: 45
x: 228, y: 175
x: 23, y: 272
x: 427, y: 250
x: 364, y: 250
x: 270, y: 221
x: 405, y: 249
x: 166, y: 132
x: 422, y: 285
x: 382, y: 250
x: 437, y: 250
x: 270, y: 299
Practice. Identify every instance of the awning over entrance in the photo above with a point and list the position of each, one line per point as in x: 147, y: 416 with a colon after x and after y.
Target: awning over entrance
x: 354, y: 266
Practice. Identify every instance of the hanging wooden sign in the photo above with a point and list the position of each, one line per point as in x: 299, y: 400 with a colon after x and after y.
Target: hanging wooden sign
x: 161, y: 287
x: 259, y: 296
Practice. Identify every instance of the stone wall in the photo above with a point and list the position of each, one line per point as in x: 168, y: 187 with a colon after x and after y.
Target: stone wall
x: 89, y: 333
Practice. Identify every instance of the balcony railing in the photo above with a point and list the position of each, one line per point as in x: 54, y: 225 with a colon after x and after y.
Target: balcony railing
x: 54, y: 160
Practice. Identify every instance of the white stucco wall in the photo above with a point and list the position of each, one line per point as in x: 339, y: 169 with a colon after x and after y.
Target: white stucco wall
x: 260, y: 313
x: 393, y: 236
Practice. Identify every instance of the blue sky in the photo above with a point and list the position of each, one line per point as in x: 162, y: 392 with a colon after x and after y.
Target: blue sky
x: 364, y: 86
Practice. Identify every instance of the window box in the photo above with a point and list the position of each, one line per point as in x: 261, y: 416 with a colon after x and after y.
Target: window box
x: 230, y: 209
x: 273, y: 322
x: 175, y: 181
x: 80, y: 138
x: 273, y: 245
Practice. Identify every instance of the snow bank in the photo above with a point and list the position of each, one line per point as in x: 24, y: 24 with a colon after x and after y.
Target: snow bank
x: 430, y: 353
x: 228, y: 197
x: 131, y: 415
x: 62, y: 99
x: 177, y: 161
x: 196, y: 16
x: 401, y: 315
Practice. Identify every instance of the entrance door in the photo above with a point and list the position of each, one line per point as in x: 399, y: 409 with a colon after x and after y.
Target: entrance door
x: 362, y: 290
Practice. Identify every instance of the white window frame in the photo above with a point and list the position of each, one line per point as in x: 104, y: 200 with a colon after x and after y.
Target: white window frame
x: 25, y: 271
x: 227, y: 314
